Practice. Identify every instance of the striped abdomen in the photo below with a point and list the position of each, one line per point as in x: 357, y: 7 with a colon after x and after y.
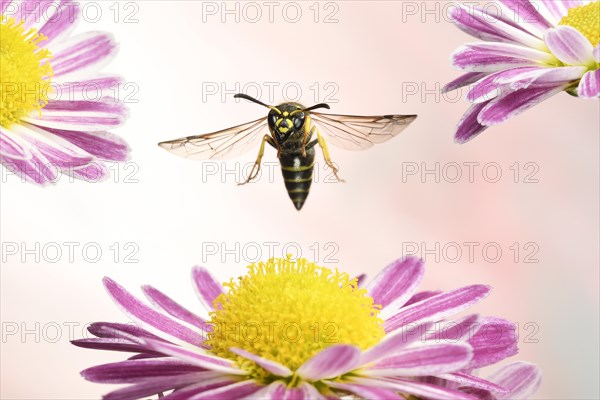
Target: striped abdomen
x: 298, y: 174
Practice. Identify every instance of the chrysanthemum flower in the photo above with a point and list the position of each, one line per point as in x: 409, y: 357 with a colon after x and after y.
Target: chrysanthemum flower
x: 56, y: 109
x: 294, y: 330
x: 533, y: 50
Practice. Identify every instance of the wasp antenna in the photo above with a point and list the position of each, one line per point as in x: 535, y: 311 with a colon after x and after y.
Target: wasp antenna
x: 320, y: 105
x: 252, y: 99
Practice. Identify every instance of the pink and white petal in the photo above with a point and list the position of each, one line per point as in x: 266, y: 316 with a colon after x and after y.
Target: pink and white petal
x: 396, y: 283
x: 525, y: 78
x: 93, y: 173
x: 13, y: 148
x: 469, y: 127
x: 36, y: 168
x: 149, y: 317
x: 520, y: 378
x: 487, y: 88
x: 473, y: 381
x: 480, y: 24
x: 464, y: 80
x: 554, y: 10
x: 493, y: 57
x: 4, y: 4
x: 161, y: 300
x: 150, y: 387
x: 234, y: 391
x: 272, y: 366
x: 570, y: 46
x: 437, y: 307
x: 28, y: 11
x: 395, y: 342
x: 82, y: 55
x: 207, y: 287
x: 589, y: 86
x: 194, y: 356
x: 99, y: 115
x: 61, y: 23
x: 453, y: 331
x: 59, y: 152
x: 365, y: 391
x: 526, y: 15
x: 331, y: 362
x: 424, y: 361
x: 131, y: 371
x: 204, y: 385
x: 90, y: 90
x: 101, y: 144
x: 512, y: 104
x: 419, y: 389
x: 311, y: 392
x: 493, y: 341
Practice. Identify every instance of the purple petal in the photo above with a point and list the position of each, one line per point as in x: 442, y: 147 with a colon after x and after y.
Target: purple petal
x: 589, y: 86
x: 61, y: 22
x: 330, y: 363
x: 419, y: 389
x: 153, y: 386
x: 141, y: 312
x: 527, y: 16
x: 541, y: 77
x: 520, y: 378
x: 438, y: 307
x: 197, y: 357
x: 204, y: 385
x: 421, y: 296
x: 4, y: 5
x: 514, y: 103
x: 464, y: 80
x: 91, y: 89
x: 83, y: 55
x: 207, y: 287
x: 360, y: 280
x: 494, y: 341
x: 469, y: 127
x: 110, y: 345
x: 570, y: 46
x: 396, y: 283
x: 395, y: 342
x: 272, y: 366
x: 366, y: 392
x: 35, y: 168
x: 473, y: 381
x: 59, y: 152
x: 554, y: 10
x: 453, y: 331
x: 163, y: 301
x: 492, y: 57
x: 424, y: 360
x: 476, y: 22
x: 104, y: 145
x: 233, y: 391
x: 135, y: 370
x: 99, y: 115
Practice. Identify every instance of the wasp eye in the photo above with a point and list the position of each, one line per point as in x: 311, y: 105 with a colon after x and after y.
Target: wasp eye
x: 298, y: 122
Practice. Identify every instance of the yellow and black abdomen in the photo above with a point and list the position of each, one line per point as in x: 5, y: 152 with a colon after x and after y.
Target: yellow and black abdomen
x: 298, y: 174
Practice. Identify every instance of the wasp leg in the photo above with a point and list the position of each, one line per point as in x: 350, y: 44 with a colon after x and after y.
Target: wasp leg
x: 323, y: 145
x: 307, y: 134
x: 256, y: 167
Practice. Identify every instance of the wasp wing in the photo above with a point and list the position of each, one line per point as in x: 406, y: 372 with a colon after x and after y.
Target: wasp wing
x: 229, y: 142
x: 354, y: 132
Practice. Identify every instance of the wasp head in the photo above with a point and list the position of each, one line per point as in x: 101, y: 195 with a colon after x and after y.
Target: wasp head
x: 286, y: 119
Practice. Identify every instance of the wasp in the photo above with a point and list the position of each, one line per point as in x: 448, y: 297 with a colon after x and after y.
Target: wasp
x: 294, y: 131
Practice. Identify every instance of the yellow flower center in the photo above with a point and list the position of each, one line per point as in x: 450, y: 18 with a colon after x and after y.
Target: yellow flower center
x: 586, y: 19
x: 24, y: 72
x: 287, y: 311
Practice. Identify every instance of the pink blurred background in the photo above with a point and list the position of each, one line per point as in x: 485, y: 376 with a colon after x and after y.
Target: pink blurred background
x: 164, y: 215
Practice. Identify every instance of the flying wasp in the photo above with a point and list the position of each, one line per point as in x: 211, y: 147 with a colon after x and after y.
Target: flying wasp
x: 291, y: 128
